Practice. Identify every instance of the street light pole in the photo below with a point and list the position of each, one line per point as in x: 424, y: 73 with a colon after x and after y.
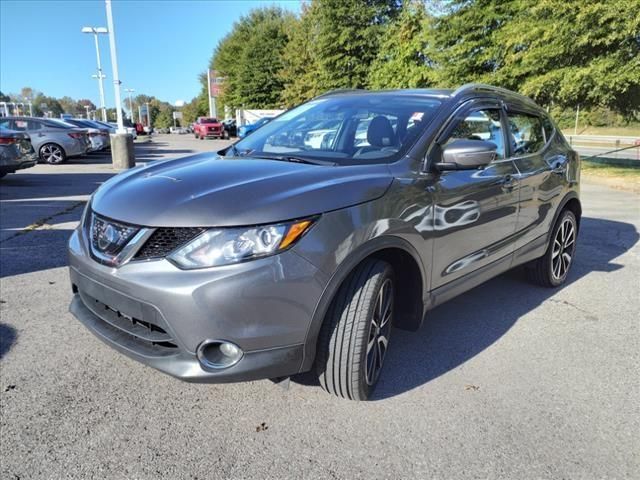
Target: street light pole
x: 114, y: 66
x: 122, y: 151
x: 130, y: 91
x: 96, y: 31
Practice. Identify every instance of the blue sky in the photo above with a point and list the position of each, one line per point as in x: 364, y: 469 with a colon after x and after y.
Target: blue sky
x: 162, y: 44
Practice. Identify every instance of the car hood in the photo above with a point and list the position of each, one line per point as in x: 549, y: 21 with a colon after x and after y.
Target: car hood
x: 207, y: 190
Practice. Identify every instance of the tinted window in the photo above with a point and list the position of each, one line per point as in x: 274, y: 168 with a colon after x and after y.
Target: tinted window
x: 347, y: 129
x: 7, y: 124
x: 208, y: 120
x: 52, y: 122
x: 481, y: 125
x: 526, y: 132
x: 20, y: 125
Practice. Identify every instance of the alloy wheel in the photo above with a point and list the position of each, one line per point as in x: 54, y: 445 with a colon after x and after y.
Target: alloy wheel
x: 52, y: 154
x: 379, y: 330
x: 563, y: 248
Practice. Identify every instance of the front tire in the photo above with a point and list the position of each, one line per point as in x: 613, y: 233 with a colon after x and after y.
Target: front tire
x: 552, y: 269
x: 354, y: 338
x: 52, y: 154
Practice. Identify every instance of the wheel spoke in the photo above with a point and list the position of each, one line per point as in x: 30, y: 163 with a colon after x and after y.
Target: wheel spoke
x: 371, y: 343
x: 566, y: 261
x: 556, y: 267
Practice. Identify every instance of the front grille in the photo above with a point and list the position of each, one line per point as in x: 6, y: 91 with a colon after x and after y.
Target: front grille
x: 165, y: 240
x: 148, y: 337
x: 109, y: 237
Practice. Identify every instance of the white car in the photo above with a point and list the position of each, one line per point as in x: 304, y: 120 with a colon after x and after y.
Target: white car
x: 130, y: 130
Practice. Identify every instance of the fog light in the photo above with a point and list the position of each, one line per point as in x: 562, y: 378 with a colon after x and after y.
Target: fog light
x: 217, y: 354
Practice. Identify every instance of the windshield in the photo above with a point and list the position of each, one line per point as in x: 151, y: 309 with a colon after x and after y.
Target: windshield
x: 346, y: 129
x: 208, y: 120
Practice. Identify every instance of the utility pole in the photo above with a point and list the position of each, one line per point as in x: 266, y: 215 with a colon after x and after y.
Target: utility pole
x: 575, y: 129
x: 96, y: 31
x: 209, y: 91
x: 130, y: 91
x: 121, y: 143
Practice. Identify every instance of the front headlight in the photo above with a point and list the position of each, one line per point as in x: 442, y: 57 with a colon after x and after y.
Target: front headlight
x: 223, y: 246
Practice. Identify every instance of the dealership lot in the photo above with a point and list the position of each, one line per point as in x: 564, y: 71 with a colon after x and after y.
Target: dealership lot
x: 506, y: 381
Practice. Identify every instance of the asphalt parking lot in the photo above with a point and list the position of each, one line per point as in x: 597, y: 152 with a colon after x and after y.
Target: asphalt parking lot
x: 506, y: 381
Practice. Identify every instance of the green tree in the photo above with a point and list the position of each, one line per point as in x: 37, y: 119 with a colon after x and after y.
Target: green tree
x: 402, y: 60
x: 164, y: 119
x: 250, y: 57
x: 567, y: 53
x: 300, y: 66
x: 348, y: 39
x: 44, y: 105
x: 69, y: 105
x: 82, y: 103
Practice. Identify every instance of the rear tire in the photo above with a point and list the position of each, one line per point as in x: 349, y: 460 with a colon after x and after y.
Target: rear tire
x: 552, y: 269
x: 52, y: 154
x: 354, y: 338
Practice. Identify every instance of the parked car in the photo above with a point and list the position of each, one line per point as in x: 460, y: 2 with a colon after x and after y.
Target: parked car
x: 111, y: 128
x: 16, y: 151
x: 274, y: 260
x: 245, y: 130
x: 53, y: 140
x: 98, y: 134
x: 178, y: 130
x: 130, y: 130
x: 230, y: 127
x: 207, y: 127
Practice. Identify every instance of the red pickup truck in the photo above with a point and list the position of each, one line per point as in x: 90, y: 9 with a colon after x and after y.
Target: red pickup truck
x: 206, y: 127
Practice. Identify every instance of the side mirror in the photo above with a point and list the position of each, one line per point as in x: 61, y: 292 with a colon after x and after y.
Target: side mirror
x: 465, y: 154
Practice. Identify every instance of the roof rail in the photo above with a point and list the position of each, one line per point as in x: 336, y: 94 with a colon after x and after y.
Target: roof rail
x: 339, y: 90
x: 478, y: 87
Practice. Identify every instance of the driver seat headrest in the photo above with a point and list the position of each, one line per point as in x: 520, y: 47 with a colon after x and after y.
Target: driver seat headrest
x: 380, y: 132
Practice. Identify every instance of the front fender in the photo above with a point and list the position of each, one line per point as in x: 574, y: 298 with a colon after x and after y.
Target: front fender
x: 341, y: 241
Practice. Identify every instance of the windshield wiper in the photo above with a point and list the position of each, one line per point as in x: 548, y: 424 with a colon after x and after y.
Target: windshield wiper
x: 293, y: 159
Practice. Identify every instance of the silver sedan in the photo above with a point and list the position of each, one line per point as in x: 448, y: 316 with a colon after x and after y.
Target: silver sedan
x: 52, y: 139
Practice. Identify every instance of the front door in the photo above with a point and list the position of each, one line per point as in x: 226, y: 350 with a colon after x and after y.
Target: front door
x: 475, y: 211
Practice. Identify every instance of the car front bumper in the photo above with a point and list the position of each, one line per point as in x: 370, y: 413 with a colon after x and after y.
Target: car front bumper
x: 264, y: 306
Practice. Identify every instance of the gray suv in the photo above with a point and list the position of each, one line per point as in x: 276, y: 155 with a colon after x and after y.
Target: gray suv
x: 299, y: 247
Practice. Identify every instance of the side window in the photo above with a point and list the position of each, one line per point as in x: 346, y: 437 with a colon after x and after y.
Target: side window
x: 7, y: 124
x: 527, y: 133
x: 33, y: 125
x: 20, y: 125
x: 481, y: 125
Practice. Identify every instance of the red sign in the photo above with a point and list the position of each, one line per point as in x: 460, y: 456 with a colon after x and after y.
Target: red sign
x: 215, y: 83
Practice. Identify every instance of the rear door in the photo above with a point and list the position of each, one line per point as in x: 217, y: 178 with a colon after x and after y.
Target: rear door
x: 541, y: 165
x: 475, y: 211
